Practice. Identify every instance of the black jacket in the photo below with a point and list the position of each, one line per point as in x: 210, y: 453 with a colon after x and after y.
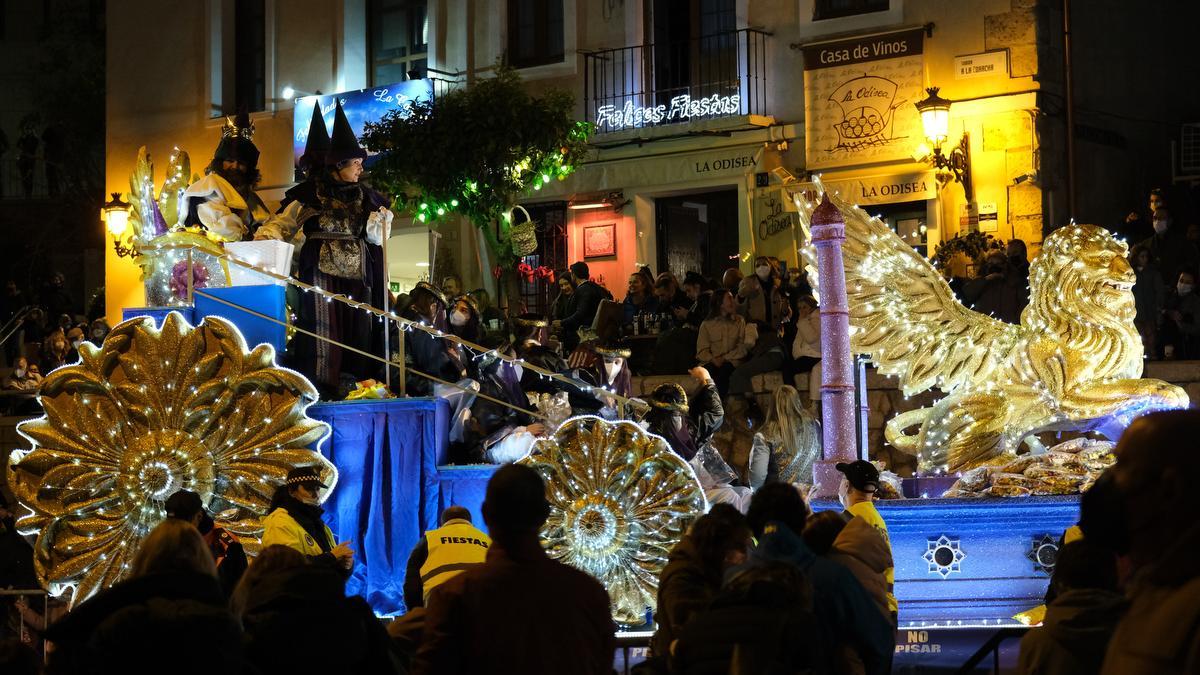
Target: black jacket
x: 587, y: 300
x: 685, y: 589
x: 139, y: 625
x: 705, y: 416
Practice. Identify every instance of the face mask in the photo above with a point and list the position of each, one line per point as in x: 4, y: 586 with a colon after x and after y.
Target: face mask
x: 76, y: 343
x: 458, y: 318
x: 98, y: 334
x: 763, y: 272
x: 1160, y: 226
x: 1102, y: 515
x: 19, y: 373
x: 677, y: 423
x: 1184, y: 289
x: 611, y: 368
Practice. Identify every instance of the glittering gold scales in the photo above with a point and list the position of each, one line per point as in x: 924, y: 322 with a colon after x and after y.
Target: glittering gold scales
x: 1074, y: 362
x: 145, y: 414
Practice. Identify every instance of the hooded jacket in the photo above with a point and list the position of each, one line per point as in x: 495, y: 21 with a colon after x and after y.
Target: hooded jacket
x: 1160, y: 633
x: 685, y: 588
x: 1074, y: 635
x: 848, y: 616
x: 862, y: 550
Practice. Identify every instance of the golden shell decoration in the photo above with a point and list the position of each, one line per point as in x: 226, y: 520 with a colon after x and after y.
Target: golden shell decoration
x: 620, y: 500
x: 149, y: 412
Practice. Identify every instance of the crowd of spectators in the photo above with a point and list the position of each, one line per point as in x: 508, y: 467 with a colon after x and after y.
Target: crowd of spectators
x: 42, y: 330
x: 1165, y: 255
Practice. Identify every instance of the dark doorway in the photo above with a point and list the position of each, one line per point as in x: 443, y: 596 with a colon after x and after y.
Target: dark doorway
x: 907, y: 219
x: 697, y: 232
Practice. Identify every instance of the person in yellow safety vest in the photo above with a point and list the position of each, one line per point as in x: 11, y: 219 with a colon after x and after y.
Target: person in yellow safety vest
x: 443, y: 553
x: 860, y: 482
x: 294, y: 521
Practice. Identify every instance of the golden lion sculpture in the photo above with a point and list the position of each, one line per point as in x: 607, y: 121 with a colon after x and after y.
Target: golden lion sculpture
x: 1073, y: 364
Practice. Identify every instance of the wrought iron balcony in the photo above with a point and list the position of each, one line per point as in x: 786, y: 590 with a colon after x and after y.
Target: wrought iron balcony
x: 718, y: 75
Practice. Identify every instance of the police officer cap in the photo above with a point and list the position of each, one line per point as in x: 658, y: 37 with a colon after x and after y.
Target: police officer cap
x: 304, y: 475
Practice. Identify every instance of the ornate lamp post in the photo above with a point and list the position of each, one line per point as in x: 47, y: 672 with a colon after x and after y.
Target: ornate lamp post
x: 935, y: 118
x: 115, y: 213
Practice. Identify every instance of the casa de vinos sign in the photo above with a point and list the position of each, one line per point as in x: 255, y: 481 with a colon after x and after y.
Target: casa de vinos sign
x: 681, y: 108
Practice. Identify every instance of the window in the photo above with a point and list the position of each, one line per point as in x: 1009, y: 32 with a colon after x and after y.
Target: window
x: 694, y: 48
x: 833, y: 9
x: 250, y: 55
x: 551, y: 221
x: 399, y: 31
x: 535, y: 32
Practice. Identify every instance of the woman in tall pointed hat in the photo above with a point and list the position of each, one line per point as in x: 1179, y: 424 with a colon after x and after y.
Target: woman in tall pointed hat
x: 345, y: 223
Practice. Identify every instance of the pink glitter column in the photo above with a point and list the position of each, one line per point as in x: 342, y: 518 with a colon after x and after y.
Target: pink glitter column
x: 837, y: 364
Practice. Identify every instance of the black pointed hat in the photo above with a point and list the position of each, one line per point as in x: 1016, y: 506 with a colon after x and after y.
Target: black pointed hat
x: 317, y: 145
x: 237, y: 141
x: 343, y: 145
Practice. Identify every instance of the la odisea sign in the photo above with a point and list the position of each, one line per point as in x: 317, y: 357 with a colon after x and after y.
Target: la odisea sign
x: 889, y: 189
x: 858, y: 99
x: 361, y: 106
x: 682, y: 108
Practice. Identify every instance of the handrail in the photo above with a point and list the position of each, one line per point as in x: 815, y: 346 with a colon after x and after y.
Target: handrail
x: 992, y: 646
x: 404, y: 324
x: 6, y: 331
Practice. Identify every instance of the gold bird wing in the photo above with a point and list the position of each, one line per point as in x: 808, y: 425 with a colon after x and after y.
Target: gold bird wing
x: 903, y: 313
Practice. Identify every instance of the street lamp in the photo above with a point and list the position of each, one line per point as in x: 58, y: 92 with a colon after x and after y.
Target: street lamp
x: 935, y: 118
x: 115, y: 213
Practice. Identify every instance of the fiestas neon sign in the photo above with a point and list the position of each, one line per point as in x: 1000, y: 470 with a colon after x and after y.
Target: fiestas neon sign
x: 681, y: 109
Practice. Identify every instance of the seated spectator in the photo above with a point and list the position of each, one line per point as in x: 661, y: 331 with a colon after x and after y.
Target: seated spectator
x: 465, y: 320
x: 858, y: 547
x: 487, y: 311
x: 796, y: 285
x: 698, y: 293
x: 1146, y: 509
x: 442, y: 554
x: 731, y: 279
x: 297, y: 619
x: 847, y: 617
x: 1149, y: 297
x: 762, y: 621
x: 721, y: 343
x: 670, y: 297
x: 55, y: 350
x: 171, y: 605
x: 294, y: 519
x: 1181, y: 321
x: 760, y: 297
x: 639, y: 298
x: 97, y: 331
x: 227, y: 551
x: 787, y: 445
x: 563, y: 304
x: 588, y: 295
x: 717, y: 541
x: 75, y: 336
x: 451, y: 286
x: 23, y: 376
x: 520, y: 611
x: 1080, y: 620
x: 764, y: 354
x: 806, y: 350
x: 1169, y: 247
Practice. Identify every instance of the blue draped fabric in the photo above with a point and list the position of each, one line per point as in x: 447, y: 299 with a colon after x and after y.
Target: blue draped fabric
x: 387, y: 454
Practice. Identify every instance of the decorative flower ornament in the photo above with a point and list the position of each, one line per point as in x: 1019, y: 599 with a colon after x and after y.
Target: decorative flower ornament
x: 145, y: 414
x: 619, y: 502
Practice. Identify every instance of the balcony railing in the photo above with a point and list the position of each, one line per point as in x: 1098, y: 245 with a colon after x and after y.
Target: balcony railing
x: 719, y: 75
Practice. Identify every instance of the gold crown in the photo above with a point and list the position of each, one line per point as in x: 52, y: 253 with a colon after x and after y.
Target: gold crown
x: 664, y: 405
x: 231, y: 130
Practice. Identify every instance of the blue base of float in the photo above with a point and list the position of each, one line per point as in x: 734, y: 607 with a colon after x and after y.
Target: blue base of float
x: 267, y: 300
x: 157, y: 313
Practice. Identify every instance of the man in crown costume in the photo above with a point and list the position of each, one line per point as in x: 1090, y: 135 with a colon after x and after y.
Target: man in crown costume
x: 344, y: 223
x: 223, y: 202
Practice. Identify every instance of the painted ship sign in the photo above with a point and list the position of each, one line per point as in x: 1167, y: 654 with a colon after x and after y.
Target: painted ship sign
x: 859, y: 96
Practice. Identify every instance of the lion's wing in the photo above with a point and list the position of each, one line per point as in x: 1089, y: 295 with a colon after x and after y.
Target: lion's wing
x: 904, y: 315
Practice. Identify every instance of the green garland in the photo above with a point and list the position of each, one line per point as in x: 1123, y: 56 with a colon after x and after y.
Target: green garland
x: 974, y: 245
x: 476, y: 151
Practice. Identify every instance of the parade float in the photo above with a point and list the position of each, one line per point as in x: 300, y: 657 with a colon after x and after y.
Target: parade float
x: 975, y: 538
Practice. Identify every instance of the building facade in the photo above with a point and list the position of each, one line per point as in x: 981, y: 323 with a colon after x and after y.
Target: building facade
x: 704, y: 112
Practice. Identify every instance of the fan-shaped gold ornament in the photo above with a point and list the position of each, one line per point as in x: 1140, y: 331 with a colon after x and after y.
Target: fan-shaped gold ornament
x: 620, y: 500
x: 145, y: 414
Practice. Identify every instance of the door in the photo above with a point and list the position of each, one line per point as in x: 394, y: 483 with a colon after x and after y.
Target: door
x: 698, y: 233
